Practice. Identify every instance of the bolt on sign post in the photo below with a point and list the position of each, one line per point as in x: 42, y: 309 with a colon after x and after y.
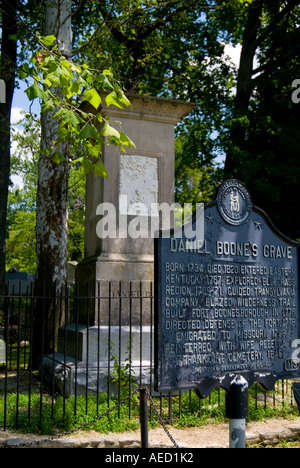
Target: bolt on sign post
x: 227, y: 306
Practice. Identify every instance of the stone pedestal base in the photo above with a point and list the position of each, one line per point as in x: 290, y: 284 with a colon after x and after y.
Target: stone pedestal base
x: 117, y: 283
x: 88, y: 360
x: 115, y: 267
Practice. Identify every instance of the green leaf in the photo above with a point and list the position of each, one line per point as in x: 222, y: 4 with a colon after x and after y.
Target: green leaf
x: 117, y: 98
x: 31, y: 93
x: 105, y: 83
x: 88, y: 132
x: 35, y: 91
x: 77, y: 161
x: 46, y: 82
x: 109, y: 131
x: 99, y: 117
x: 85, y: 165
x: 55, y: 78
x: 124, y: 100
x: 58, y: 157
x: 72, y: 90
x: 41, y: 94
x: 70, y: 118
x: 113, y: 100
x: 94, y: 150
x: 82, y: 82
x: 48, y: 40
x: 65, y: 134
x: 48, y: 106
x: 99, y: 169
x: 26, y: 71
x: 126, y: 141
x: 92, y: 97
x: 75, y: 68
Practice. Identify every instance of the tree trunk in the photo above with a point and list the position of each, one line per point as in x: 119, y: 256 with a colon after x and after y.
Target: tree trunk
x: 244, y: 90
x: 52, y: 203
x: 7, y: 74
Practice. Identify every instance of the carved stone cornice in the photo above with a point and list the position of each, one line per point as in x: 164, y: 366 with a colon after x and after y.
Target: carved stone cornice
x: 151, y: 108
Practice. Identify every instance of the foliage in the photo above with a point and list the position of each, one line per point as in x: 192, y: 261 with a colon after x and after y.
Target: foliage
x: 195, y: 182
x: 20, y: 246
x: 61, y: 415
x: 173, y: 49
x: 21, y: 219
x: 60, y: 85
x: 263, y: 134
x: 121, y: 375
x: 179, y: 51
x: 76, y: 216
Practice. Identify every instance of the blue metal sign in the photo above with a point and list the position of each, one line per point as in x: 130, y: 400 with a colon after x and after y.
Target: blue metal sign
x: 227, y: 305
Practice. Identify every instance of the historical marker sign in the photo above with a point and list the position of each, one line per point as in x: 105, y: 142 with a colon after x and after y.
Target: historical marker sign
x: 228, y: 304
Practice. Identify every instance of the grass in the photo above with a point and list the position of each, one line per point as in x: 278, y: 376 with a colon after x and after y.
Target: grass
x: 47, y: 417
x: 42, y: 415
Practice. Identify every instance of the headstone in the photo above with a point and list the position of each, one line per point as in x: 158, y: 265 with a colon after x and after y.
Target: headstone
x: 72, y: 271
x: 18, y: 282
x: 227, y: 304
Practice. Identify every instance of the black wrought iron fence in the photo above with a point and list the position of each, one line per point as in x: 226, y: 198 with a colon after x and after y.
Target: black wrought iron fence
x: 91, y: 341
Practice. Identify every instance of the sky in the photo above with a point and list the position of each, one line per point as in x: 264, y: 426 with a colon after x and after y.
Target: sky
x: 21, y: 102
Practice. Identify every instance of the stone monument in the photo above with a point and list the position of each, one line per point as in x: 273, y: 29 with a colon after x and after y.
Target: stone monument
x: 143, y: 176
x: 122, y: 265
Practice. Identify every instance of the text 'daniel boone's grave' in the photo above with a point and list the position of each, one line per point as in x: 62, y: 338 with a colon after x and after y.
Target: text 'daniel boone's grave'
x: 229, y: 305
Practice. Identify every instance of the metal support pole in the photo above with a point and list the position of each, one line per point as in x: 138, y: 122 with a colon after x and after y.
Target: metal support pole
x: 237, y: 433
x: 237, y: 411
x: 144, y: 417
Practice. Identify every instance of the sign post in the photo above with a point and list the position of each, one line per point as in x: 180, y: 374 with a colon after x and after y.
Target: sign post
x: 227, y: 303
x: 237, y: 412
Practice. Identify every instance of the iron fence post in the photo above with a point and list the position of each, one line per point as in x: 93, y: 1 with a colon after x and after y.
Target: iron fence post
x: 144, y: 417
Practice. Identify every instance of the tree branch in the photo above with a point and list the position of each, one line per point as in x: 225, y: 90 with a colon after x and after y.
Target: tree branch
x: 270, y: 67
x: 162, y: 21
x: 92, y: 38
x: 291, y: 5
x: 142, y: 31
x: 113, y: 26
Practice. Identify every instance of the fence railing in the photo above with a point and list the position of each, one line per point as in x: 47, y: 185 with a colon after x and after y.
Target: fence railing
x: 90, y: 340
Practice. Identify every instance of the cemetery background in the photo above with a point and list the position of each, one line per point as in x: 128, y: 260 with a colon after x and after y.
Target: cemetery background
x: 197, y: 173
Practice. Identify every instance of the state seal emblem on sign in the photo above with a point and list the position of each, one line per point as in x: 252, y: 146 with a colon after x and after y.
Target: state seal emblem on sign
x: 234, y: 202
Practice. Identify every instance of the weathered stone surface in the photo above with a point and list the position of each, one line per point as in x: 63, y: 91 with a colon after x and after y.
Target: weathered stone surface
x: 15, y: 442
x: 267, y: 438
x: 145, y: 176
x: 253, y: 439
